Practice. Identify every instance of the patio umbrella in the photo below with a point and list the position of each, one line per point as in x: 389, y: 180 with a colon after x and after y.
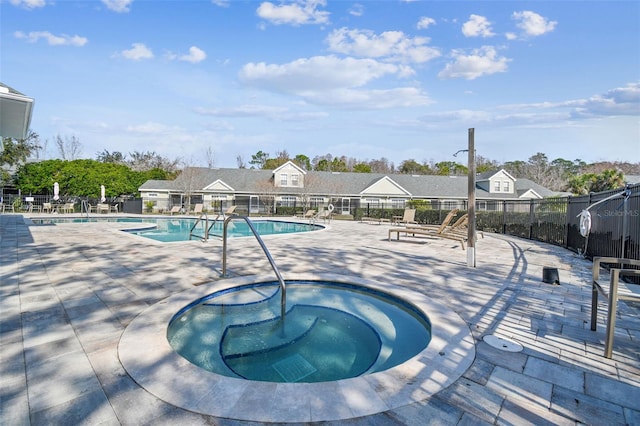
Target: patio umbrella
x: 102, y: 197
x: 56, y: 191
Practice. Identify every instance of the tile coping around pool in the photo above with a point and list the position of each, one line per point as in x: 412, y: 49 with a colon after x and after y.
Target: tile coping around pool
x: 145, y: 353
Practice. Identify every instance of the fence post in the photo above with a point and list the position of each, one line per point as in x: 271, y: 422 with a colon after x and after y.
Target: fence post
x: 504, y: 217
x: 531, y: 209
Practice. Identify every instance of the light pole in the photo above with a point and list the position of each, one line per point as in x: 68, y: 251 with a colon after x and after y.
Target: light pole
x: 471, y: 200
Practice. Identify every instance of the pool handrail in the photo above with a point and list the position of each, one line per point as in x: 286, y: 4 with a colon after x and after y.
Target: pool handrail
x: 283, y: 289
x: 206, y: 227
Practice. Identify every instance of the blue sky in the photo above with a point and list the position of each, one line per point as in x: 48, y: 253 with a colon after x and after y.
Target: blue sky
x: 364, y: 79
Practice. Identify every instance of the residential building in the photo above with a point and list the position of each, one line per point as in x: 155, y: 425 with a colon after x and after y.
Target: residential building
x: 262, y: 191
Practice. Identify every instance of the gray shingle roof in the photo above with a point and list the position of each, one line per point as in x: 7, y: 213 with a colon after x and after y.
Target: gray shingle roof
x: 251, y: 181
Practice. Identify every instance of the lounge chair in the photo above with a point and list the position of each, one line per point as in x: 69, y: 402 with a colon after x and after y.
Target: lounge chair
x: 380, y: 220
x: 325, y: 215
x: 197, y: 209
x: 174, y: 209
x: 308, y: 214
x: 409, y: 217
x: 230, y: 211
x: 613, y: 289
x: 440, y: 232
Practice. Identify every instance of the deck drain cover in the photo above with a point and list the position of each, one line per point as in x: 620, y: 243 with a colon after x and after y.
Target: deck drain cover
x: 502, y: 343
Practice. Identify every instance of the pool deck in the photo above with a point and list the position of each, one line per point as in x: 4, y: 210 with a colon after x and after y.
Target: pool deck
x: 68, y: 292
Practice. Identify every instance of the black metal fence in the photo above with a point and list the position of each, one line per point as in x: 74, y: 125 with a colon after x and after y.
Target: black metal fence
x: 615, y: 217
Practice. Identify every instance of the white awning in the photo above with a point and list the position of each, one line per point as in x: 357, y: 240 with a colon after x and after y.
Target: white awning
x: 15, y: 113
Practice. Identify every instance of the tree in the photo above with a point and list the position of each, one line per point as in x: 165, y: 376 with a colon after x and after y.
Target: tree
x: 259, y: 159
x: 302, y: 161
x: 69, y: 148
x: 240, y: 162
x: 381, y: 166
x: 149, y: 160
x: 114, y: 157
x: 596, y: 182
x: 412, y: 167
x: 210, y: 157
x: 362, y: 168
x: 82, y: 178
x: 447, y: 168
x: 15, y: 152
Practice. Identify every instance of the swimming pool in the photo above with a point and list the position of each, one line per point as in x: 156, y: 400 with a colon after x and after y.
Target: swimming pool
x: 332, y: 331
x: 174, y: 229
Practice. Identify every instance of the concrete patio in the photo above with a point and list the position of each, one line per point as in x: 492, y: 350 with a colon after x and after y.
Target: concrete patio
x: 68, y: 291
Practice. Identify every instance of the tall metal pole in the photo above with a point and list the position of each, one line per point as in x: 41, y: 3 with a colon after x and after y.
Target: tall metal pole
x: 471, y: 235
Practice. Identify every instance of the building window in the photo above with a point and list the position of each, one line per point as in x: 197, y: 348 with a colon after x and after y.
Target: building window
x: 496, y: 186
x: 397, y: 203
x: 316, y: 202
x: 372, y: 202
x: 505, y: 186
x: 288, y: 201
x: 294, y: 180
x: 283, y: 179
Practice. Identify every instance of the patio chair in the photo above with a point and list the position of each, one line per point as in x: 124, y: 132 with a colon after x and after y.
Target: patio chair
x: 197, y: 209
x: 614, y: 290
x: 68, y: 208
x: 102, y: 208
x: 432, y: 231
x: 325, y: 215
x: 308, y: 214
x: 409, y: 217
x: 46, y: 207
x: 230, y: 211
x: 174, y: 209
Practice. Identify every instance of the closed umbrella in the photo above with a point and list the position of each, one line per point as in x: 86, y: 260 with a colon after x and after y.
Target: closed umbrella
x: 102, y: 196
x: 56, y: 191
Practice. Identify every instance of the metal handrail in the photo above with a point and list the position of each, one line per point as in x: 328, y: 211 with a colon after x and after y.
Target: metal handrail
x: 84, y: 205
x: 283, y: 289
x: 206, y: 227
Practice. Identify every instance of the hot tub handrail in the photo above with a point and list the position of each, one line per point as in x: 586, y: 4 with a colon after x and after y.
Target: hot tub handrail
x: 283, y: 289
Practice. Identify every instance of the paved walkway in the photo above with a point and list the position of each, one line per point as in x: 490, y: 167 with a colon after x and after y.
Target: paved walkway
x: 67, y: 292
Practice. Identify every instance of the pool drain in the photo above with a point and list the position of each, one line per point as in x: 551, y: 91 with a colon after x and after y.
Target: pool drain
x: 502, y: 343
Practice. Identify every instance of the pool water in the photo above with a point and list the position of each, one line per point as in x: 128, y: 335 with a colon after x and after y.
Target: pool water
x: 174, y: 230
x: 331, y: 331
x: 178, y: 230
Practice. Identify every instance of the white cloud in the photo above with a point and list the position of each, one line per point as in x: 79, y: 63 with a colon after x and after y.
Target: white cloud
x: 221, y: 3
x: 328, y: 80
x: 425, y: 22
x: 356, y: 10
x: 194, y: 56
x: 295, y: 13
x: 369, y: 99
x: 482, y: 61
x: 119, y: 6
x: 137, y: 52
x: 477, y: 26
x: 264, y: 111
x: 389, y: 45
x: 615, y: 102
x: 316, y: 73
x: 533, y: 24
x: 29, y: 4
x: 53, y: 40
